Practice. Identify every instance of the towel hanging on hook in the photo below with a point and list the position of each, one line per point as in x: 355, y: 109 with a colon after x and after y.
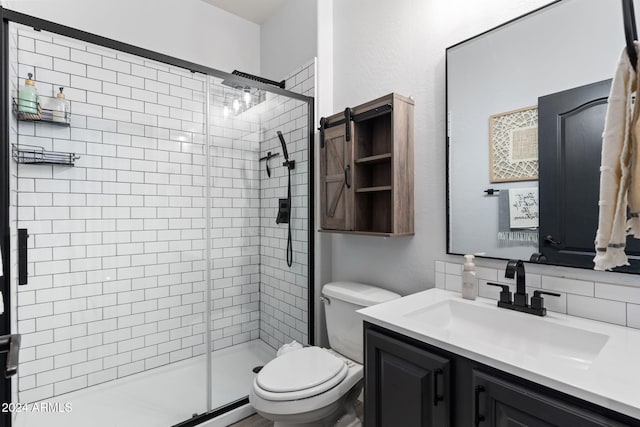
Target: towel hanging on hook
x: 630, y: 31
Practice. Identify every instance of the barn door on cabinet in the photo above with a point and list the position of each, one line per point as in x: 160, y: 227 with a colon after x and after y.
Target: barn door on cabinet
x: 336, y: 156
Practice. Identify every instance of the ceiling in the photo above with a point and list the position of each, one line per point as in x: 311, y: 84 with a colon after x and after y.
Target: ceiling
x: 253, y: 10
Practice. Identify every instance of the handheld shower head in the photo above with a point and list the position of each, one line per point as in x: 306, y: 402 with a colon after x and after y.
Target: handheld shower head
x: 285, y: 153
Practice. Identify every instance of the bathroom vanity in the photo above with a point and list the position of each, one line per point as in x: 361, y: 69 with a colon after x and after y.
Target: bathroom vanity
x: 434, y: 359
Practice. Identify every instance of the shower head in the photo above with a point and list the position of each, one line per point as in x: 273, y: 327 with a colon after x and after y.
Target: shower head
x: 234, y: 84
x: 285, y: 153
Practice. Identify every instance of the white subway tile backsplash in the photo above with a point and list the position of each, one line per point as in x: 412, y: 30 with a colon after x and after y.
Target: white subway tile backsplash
x: 613, y: 303
x: 618, y: 292
x: 451, y: 268
x: 571, y: 286
x: 633, y: 315
x: 597, y: 309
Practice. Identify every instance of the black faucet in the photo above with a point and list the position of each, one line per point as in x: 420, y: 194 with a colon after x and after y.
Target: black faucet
x: 515, y: 267
x: 521, y: 298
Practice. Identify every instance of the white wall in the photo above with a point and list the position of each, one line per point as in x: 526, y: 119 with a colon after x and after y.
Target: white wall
x: 400, y: 47
x: 187, y: 29
x: 324, y: 107
x: 288, y: 38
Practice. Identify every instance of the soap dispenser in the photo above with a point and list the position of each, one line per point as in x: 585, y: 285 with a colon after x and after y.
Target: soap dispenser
x: 469, y: 283
x: 59, y: 108
x: 28, y: 97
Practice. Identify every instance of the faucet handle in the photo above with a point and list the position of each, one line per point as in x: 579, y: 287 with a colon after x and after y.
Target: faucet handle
x: 537, y: 301
x: 505, y: 293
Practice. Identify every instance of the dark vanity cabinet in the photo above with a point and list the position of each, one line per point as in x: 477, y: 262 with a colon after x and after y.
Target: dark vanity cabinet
x: 410, y: 383
x: 404, y: 382
x: 501, y: 403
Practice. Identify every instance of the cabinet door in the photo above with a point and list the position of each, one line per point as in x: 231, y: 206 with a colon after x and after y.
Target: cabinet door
x: 335, y: 180
x: 499, y: 403
x: 404, y: 385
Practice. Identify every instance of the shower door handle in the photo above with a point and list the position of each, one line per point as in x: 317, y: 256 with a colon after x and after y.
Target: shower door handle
x: 23, y: 252
x: 11, y: 344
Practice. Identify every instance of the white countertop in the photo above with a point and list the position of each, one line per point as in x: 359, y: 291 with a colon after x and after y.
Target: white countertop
x: 611, y: 380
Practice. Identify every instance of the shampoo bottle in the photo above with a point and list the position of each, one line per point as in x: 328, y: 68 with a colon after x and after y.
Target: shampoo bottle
x: 469, y: 284
x: 28, y: 97
x: 58, y: 107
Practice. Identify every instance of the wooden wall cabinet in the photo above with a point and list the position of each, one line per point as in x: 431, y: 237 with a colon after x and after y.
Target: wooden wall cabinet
x: 366, y: 168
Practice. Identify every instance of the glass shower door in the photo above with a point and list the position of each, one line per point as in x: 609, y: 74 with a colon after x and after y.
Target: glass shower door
x: 113, y: 309
x: 258, y: 302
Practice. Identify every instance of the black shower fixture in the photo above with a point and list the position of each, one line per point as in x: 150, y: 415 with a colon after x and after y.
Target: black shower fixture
x: 284, y: 205
x: 290, y: 164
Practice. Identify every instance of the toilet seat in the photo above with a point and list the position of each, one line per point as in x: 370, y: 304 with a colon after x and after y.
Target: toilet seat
x: 300, y: 374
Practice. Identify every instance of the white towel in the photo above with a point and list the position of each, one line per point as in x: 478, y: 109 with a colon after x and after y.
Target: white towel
x: 618, y: 146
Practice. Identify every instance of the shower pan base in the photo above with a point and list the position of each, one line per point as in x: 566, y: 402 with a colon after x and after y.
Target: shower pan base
x: 162, y: 397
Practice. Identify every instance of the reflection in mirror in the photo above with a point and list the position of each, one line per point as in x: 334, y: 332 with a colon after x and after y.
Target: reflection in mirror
x: 515, y: 190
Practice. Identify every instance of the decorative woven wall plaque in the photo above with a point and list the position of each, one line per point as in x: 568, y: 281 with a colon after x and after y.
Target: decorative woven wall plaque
x: 513, y: 143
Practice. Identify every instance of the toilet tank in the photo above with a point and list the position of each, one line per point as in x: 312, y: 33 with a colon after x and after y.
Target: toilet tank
x: 344, y: 325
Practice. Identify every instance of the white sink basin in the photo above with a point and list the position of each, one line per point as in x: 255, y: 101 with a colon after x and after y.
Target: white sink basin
x: 527, y: 338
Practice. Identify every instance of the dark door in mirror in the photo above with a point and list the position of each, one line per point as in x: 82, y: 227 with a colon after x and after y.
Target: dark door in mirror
x: 570, y: 126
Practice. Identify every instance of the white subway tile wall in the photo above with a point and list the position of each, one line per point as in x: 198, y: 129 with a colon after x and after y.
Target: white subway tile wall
x: 284, y: 290
x: 117, y: 243
x: 235, y: 237
x: 606, y: 302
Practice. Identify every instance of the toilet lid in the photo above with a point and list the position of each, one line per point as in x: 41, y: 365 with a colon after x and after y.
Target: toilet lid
x: 301, y: 369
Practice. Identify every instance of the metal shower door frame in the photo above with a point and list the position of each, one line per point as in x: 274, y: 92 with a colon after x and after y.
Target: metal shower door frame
x: 38, y: 24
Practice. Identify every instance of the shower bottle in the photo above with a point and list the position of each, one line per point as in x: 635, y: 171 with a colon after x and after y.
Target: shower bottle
x: 28, y: 97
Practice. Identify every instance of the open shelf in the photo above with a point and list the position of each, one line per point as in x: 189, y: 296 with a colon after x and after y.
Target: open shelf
x: 373, y: 137
x: 33, y: 155
x: 372, y: 160
x: 373, y: 189
x: 373, y: 210
x: 61, y: 118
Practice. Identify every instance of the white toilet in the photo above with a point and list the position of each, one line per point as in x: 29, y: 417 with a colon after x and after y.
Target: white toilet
x: 313, y: 386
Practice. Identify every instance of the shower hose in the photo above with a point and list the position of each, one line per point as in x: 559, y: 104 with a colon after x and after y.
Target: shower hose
x: 289, y: 243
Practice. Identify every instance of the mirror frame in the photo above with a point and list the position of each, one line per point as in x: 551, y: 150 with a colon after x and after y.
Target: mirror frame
x: 447, y: 152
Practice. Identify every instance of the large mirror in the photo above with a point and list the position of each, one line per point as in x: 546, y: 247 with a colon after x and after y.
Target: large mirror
x: 525, y: 112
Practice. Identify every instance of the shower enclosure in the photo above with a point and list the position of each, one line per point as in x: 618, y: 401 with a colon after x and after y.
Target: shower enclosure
x: 143, y: 265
